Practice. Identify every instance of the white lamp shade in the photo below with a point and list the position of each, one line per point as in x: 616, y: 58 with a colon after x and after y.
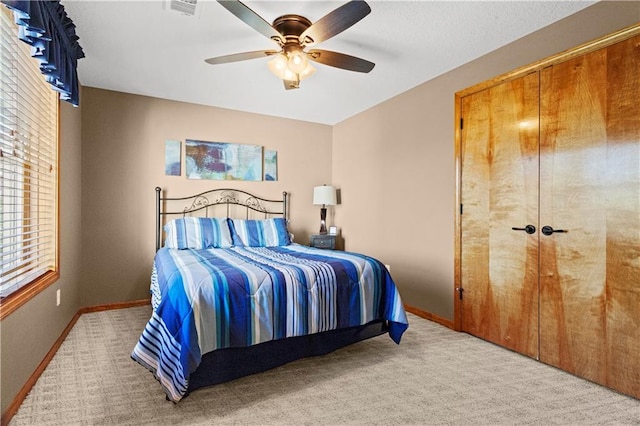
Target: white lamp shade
x: 324, y: 195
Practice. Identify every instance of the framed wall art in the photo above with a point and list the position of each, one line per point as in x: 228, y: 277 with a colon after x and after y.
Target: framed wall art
x: 172, y: 158
x: 270, y: 165
x: 222, y: 161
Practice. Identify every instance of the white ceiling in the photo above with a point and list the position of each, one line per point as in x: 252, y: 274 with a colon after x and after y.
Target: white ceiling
x: 144, y: 48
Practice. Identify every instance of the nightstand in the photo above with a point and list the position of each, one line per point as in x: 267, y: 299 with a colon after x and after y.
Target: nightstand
x: 323, y: 241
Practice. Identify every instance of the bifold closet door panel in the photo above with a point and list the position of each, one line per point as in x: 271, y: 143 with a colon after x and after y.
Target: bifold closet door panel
x: 499, y: 191
x: 623, y: 217
x: 589, y: 187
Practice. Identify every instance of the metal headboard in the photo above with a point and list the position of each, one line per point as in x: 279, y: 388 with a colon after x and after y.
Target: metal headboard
x: 215, y: 197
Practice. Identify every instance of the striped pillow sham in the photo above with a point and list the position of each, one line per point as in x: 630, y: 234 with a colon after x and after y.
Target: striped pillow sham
x: 197, y: 233
x: 260, y: 233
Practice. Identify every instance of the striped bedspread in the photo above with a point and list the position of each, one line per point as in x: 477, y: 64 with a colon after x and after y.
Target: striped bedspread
x: 218, y: 298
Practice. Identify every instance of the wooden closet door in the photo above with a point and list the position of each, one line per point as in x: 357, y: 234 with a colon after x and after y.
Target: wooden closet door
x: 590, y: 187
x: 499, y: 191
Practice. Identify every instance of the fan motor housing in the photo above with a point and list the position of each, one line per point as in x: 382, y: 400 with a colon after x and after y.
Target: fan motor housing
x: 291, y: 26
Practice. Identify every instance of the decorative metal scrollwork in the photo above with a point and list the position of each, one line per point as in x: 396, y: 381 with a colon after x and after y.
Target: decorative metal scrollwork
x: 228, y: 197
x: 255, y: 204
x: 198, y: 203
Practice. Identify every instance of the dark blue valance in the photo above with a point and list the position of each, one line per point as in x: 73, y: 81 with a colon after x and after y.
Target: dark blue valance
x: 52, y: 36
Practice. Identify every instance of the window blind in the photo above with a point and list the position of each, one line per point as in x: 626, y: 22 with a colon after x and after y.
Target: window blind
x: 28, y: 164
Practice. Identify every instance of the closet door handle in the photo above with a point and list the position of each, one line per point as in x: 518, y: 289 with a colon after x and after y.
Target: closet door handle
x: 547, y: 230
x: 529, y: 229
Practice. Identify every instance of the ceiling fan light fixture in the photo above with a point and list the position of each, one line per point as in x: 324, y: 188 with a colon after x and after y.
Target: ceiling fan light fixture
x: 278, y: 65
x: 307, y: 72
x: 297, y: 61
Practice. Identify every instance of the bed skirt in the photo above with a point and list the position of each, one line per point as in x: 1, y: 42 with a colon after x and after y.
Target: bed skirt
x: 228, y: 364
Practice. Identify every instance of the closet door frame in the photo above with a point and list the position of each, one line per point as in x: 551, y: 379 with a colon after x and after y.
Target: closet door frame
x: 458, y: 290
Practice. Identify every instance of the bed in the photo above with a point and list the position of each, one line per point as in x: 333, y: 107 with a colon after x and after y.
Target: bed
x: 233, y: 295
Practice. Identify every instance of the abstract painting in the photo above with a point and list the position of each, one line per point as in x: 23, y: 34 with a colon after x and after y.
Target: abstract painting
x: 270, y: 165
x: 223, y: 161
x: 172, y: 157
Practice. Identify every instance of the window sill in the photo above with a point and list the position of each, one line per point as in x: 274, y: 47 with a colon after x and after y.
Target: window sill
x: 11, y: 303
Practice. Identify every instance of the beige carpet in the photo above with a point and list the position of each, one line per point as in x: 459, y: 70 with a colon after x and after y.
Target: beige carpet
x: 436, y: 376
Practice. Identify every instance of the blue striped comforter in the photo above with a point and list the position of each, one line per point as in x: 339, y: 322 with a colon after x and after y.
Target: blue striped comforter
x: 205, y: 300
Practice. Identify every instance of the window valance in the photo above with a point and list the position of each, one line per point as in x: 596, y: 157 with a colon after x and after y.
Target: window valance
x: 52, y: 36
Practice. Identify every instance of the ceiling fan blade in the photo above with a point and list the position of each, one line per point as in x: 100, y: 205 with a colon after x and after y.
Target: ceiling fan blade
x: 335, y: 22
x: 340, y: 60
x: 236, y: 57
x: 251, y: 18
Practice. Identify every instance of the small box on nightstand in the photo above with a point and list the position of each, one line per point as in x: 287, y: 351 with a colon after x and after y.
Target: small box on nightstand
x: 323, y: 241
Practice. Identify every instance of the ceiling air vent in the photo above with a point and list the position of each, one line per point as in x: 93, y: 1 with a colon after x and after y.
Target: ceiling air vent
x: 186, y: 7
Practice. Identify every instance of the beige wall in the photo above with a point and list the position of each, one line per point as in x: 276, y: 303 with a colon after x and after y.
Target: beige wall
x: 30, y: 332
x: 395, y: 164
x: 123, y: 161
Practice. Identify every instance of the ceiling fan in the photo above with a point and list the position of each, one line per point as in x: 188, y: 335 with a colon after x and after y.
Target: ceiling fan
x: 294, y: 33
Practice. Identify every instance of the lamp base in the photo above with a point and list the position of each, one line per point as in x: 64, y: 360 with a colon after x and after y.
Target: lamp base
x: 323, y: 220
